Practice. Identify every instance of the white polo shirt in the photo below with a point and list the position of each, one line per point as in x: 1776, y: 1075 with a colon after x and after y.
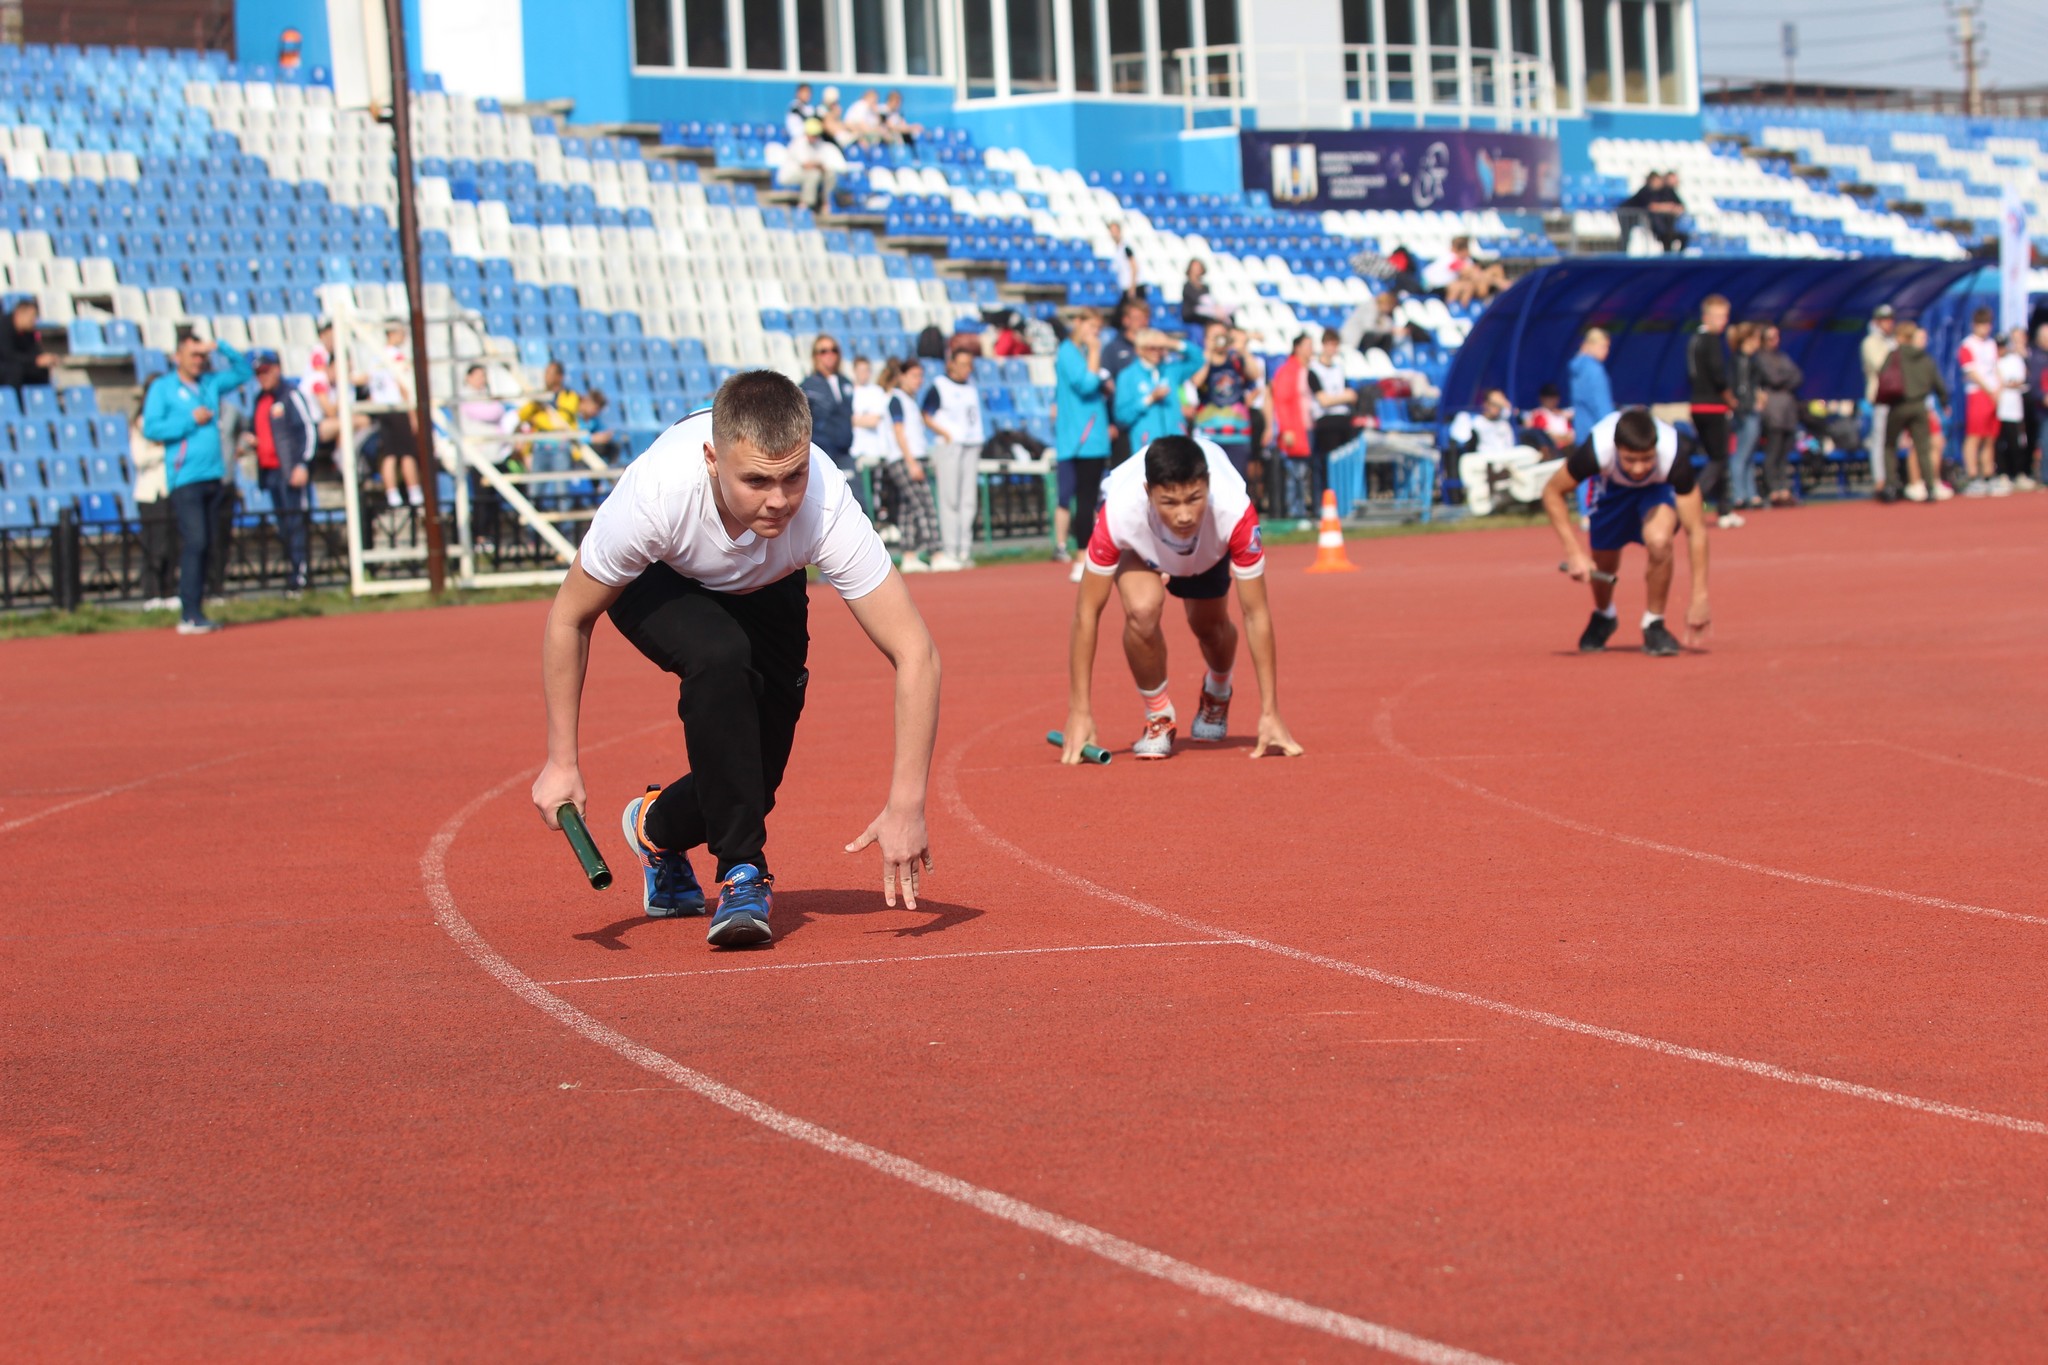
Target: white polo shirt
x: 662, y: 511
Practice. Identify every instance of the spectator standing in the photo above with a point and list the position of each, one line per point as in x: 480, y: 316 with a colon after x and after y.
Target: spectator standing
x: 1706, y: 366
x: 1979, y: 360
x: 1123, y: 261
x: 390, y: 383
x: 1148, y: 390
x: 2037, y: 393
x: 2015, y: 459
x: 952, y: 409
x: 831, y: 406
x: 1223, y: 399
x: 1746, y: 340
x: 871, y: 439
x: 1878, y: 344
x: 1081, y: 389
x: 1592, y: 392
x: 1333, y: 409
x: 1294, y: 402
x: 1198, y: 307
x: 23, y: 360
x: 284, y: 429
x: 1919, y: 379
x: 157, y: 524
x: 1119, y: 344
x: 1780, y: 378
x: 180, y: 414
x: 904, y: 471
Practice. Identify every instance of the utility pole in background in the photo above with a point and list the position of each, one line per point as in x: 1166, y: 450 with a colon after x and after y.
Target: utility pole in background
x: 1790, y: 34
x: 1967, y: 36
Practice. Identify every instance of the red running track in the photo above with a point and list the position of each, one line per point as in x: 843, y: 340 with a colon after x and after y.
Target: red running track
x: 1550, y: 1009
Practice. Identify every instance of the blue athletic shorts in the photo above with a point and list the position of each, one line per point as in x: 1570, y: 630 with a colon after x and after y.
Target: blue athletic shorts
x: 1619, y: 511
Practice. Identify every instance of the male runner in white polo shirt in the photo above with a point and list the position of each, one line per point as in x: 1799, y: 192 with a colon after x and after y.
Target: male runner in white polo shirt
x: 1179, y: 508
x: 699, y: 556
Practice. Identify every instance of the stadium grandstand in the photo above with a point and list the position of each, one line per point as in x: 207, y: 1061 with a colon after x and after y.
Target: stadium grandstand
x: 643, y: 196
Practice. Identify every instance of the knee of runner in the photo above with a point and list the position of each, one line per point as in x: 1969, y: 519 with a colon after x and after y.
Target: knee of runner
x: 1657, y: 541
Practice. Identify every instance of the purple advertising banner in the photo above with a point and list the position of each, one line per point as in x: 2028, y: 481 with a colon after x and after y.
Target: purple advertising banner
x: 1402, y: 168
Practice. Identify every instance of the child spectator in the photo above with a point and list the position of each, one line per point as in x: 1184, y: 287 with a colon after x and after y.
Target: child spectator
x: 903, y: 466
x: 2015, y: 463
x: 952, y: 409
x: 1552, y: 418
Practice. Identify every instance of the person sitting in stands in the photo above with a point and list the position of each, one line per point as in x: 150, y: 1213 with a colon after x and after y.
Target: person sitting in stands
x: 23, y: 361
x: 897, y: 126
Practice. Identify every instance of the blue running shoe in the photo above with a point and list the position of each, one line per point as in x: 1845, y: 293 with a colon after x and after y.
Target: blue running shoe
x: 668, y: 884
x: 744, y: 899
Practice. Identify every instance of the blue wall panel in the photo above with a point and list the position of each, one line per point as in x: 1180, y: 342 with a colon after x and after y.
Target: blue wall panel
x: 259, y: 22
x: 580, y: 51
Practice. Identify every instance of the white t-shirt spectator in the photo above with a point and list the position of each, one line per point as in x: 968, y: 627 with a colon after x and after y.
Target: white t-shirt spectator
x: 957, y: 408
x: 1128, y: 525
x: 871, y: 400
x: 390, y: 379
x: 864, y: 115
x: 2012, y: 392
x: 662, y: 511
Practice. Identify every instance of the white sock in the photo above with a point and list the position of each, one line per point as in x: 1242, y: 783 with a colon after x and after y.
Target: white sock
x: 1651, y: 618
x: 391, y: 498
x: 1609, y: 612
x: 415, y: 496
x: 1217, y: 684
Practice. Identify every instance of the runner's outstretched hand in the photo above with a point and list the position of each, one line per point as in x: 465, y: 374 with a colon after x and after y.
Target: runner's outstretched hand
x: 905, y: 846
x: 1273, y: 735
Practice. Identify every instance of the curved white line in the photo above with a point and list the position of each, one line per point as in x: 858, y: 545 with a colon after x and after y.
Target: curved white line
x: 1081, y: 1236
x: 950, y: 792
x: 1383, y: 729
x: 105, y: 792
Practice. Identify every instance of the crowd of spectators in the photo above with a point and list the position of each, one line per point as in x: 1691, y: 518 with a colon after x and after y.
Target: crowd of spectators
x: 817, y: 133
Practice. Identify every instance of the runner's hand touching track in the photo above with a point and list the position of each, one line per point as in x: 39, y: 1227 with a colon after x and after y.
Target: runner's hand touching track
x: 1079, y: 734
x: 1698, y: 620
x: 556, y: 784
x: 905, y: 846
x: 1273, y: 735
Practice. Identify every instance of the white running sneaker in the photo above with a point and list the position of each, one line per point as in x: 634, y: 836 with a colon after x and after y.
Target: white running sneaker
x: 913, y: 563
x: 1730, y: 520
x: 1916, y: 492
x: 2001, y: 487
x: 2025, y: 483
x: 1976, y: 488
x: 1942, y: 492
x: 945, y: 563
x: 1157, y: 741
x: 1212, y: 718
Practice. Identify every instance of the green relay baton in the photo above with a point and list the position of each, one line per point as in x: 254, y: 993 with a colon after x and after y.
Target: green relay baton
x: 578, y: 835
x: 1090, y: 753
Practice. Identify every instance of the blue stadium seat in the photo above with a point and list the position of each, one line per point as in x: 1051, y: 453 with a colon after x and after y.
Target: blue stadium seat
x: 32, y: 439
x: 106, y: 469
x: 20, y: 474
x: 17, y: 512
x: 98, y: 507
x: 110, y: 433
x: 78, y: 400
x: 74, y: 435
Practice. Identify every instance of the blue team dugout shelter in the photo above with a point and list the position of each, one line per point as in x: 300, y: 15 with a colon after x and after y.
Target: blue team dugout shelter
x: 1528, y: 337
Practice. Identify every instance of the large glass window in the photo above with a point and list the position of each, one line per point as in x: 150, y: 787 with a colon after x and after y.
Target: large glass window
x: 981, y: 48
x: 704, y: 34
x: 1220, y: 18
x: 1635, y: 53
x: 1599, y: 69
x: 1358, y: 21
x: 870, y: 36
x: 1560, y: 55
x: 920, y: 37
x: 1480, y: 24
x: 1087, y: 50
x: 764, y: 34
x: 1400, y: 16
x: 817, y: 35
x: 1176, y: 31
x: 1522, y: 20
x: 654, y: 39
x: 1126, y: 48
x: 1670, y: 86
x: 1031, y: 60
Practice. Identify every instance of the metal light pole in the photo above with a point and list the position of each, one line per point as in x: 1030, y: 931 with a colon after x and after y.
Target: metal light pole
x: 415, y: 296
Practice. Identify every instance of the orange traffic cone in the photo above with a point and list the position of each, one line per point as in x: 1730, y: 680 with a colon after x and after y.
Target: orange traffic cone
x: 1330, y: 556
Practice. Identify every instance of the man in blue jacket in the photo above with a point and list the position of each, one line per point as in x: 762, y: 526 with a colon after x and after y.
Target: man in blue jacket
x: 1080, y: 429
x: 1592, y: 394
x: 1148, y: 389
x: 831, y: 408
x: 283, y: 430
x: 182, y: 415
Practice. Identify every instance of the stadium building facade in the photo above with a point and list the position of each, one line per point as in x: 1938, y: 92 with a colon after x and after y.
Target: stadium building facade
x: 1092, y: 84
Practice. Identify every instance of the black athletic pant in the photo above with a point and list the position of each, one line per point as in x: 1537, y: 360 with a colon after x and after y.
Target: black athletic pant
x: 741, y: 660
x: 1712, y: 427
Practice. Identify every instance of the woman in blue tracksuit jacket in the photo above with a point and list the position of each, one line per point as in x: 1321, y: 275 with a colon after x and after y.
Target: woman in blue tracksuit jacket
x: 182, y: 414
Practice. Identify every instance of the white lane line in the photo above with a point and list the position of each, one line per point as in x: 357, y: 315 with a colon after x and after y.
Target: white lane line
x: 1933, y: 757
x: 885, y: 961
x: 950, y: 793
x: 1383, y: 727
x: 104, y: 792
x: 1081, y: 1236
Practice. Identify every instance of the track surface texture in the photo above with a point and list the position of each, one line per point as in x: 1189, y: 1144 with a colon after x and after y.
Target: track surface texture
x: 1550, y: 1009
